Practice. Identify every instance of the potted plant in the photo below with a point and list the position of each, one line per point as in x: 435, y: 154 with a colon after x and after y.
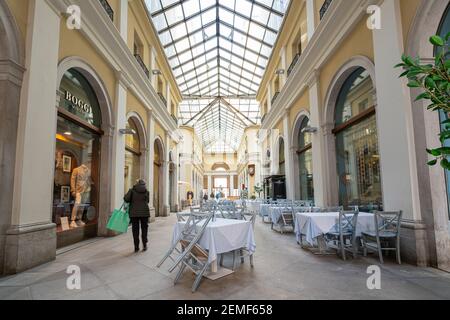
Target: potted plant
x: 258, y: 190
x: 434, y: 80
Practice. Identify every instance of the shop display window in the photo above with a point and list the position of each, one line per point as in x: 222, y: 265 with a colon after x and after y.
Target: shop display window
x: 305, y: 162
x: 357, y: 150
x: 77, y: 160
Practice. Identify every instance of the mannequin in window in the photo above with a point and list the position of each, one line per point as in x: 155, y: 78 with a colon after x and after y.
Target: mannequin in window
x: 190, y: 197
x: 80, y: 185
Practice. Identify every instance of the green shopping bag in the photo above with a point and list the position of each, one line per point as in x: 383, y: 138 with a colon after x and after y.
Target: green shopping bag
x: 119, y: 221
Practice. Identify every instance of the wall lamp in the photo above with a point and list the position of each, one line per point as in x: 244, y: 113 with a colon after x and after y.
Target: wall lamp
x: 280, y: 71
x: 127, y: 131
x: 156, y: 72
x: 309, y: 130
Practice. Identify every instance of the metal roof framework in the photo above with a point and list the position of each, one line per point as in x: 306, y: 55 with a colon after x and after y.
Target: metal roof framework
x: 218, y: 49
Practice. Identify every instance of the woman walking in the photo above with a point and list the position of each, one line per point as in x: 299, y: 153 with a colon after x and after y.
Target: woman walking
x: 138, y: 197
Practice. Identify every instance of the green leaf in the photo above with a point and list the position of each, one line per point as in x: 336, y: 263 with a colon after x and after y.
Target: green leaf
x: 447, y: 64
x: 423, y: 96
x: 434, y: 153
x: 432, y: 162
x: 399, y: 65
x: 403, y: 74
x: 414, y: 84
x: 437, y: 41
x: 443, y: 150
x: 430, y: 83
x: 445, y: 164
x: 409, y: 61
x: 447, y: 36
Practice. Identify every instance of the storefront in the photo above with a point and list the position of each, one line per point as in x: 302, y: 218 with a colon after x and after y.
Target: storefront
x: 305, y: 165
x: 358, y: 157
x: 77, y: 160
x: 133, y: 155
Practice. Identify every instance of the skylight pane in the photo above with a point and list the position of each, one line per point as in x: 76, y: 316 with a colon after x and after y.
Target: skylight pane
x: 218, y: 52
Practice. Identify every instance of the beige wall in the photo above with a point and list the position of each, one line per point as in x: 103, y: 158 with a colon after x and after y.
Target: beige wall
x: 358, y: 42
x: 72, y: 43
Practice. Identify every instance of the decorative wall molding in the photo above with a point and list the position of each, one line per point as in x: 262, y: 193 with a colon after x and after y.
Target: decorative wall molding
x: 103, y: 35
x: 339, y: 21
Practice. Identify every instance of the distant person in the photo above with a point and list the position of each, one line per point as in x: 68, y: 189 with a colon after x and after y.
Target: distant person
x: 138, y: 197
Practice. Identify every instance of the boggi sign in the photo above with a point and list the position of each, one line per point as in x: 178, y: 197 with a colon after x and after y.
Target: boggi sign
x: 80, y: 105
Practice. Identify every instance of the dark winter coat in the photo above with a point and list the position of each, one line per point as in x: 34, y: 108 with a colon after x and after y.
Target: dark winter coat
x: 138, y: 197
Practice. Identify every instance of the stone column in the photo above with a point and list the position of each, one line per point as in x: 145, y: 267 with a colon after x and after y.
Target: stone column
x: 319, y: 161
x: 11, y: 76
x: 31, y: 238
x: 151, y: 159
x: 310, y: 17
x: 395, y: 130
x: 154, y: 77
x: 209, y: 185
x: 168, y: 98
x: 269, y: 97
x: 283, y: 76
x: 118, y: 152
x: 166, y: 173
x: 290, y: 191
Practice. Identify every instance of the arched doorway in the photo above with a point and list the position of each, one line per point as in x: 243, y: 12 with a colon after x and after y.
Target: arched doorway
x: 357, y: 153
x: 281, y: 158
x: 303, y: 160
x: 431, y: 18
x: 79, y: 192
x: 11, y: 73
x: 444, y: 29
x: 134, y: 151
x: 158, y: 177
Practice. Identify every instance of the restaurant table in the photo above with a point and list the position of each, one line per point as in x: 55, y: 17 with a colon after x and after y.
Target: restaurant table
x: 315, y: 225
x: 264, y: 210
x: 254, y: 206
x: 222, y: 236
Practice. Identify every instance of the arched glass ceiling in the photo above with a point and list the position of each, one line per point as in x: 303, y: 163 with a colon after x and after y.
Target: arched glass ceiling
x: 218, y: 48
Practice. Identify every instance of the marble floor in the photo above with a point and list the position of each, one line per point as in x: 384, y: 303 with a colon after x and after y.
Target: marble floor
x: 283, y: 271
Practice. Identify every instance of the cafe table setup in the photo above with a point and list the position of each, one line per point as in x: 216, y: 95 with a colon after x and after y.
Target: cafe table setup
x: 312, y: 226
x: 222, y: 236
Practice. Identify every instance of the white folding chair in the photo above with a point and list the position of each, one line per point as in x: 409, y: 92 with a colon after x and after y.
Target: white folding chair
x: 192, y: 232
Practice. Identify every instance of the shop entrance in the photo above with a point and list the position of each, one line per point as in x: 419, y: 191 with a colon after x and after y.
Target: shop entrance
x: 158, y: 174
x: 77, y: 165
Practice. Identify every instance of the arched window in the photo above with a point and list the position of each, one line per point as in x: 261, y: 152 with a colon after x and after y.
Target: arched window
x: 357, y: 153
x: 132, y: 156
x: 77, y: 159
x: 444, y: 29
x: 305, y: 162
x: 281, y: 158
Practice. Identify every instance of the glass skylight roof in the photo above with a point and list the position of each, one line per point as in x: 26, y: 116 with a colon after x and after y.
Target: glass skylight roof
x: 220, y: 122
x: 218, y: 48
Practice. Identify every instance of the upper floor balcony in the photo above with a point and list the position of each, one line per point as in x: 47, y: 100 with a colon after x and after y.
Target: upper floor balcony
x: 164, y: 100
x: 142, y: 64
x: 293, y: 64
x: 275, y: 96
x: 108, y: 9
x: 324, y: 8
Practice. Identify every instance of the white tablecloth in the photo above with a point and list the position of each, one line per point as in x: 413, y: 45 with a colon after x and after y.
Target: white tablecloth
x: 222, y: 236
x: 264, y: 210
x: 313, y: 225
x: 275, y: 212
x: 254, y: 206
